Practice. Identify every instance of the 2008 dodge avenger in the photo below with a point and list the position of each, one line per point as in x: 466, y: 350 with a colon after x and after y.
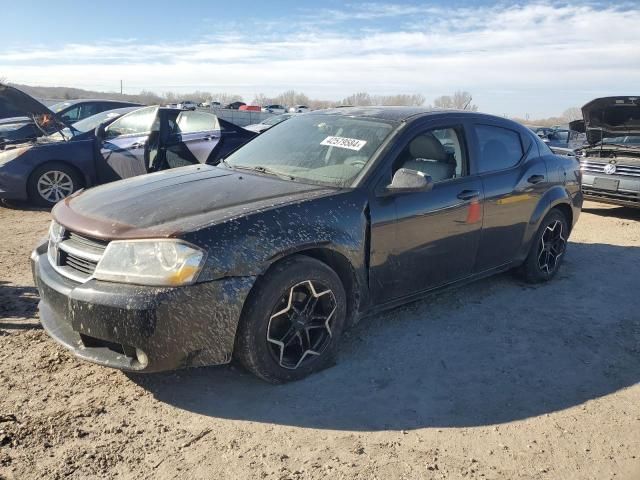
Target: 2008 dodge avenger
x: 270, y: 255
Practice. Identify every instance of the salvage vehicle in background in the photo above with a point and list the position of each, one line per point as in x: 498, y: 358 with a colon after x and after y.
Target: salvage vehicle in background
x: 560, y: 137
x: 18, y: 123
x: 298, y: 109
x: 269, y: 256
x: 147, y: 139
x: 611, y: 161
x: 267, y: 123
x: 274, y: 109
x: 71, y: 111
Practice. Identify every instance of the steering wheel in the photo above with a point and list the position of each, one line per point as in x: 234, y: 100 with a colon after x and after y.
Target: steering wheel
x: 356, y: 161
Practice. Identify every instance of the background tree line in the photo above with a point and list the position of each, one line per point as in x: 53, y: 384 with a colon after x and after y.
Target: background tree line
x: 459, y: 100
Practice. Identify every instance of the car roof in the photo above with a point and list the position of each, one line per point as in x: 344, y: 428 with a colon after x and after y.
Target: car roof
x: 398, y: 113
x: 90, y: 100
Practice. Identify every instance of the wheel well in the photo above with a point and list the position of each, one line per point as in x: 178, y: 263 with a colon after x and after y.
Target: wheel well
x: 345, y: 271
x: 60, y: 162
x: 567, y: 212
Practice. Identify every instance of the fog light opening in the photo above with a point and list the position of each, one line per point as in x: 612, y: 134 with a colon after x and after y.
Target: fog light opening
x: 142, y: 358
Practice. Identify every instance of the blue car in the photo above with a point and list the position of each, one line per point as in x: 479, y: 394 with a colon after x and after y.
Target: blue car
x: 18, y: 125
x: 104, y: 148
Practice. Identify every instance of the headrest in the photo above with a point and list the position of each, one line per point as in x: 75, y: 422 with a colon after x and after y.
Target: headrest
x: 427, y: 146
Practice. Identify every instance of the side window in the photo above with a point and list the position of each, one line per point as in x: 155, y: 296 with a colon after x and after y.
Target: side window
x: 439, y: 153
x: 137, y: 122
x: 500, y: 148
x: 191, y: 122
x: 88, y: 109
x: 72, y: 115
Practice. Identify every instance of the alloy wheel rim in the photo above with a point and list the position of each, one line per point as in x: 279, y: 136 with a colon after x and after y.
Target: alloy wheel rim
x: 55, y: 185
x: 300, y: 328
x: 551, y: 248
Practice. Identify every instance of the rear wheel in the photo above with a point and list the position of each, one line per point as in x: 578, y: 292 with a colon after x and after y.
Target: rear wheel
x: 292, y: 321
x: 547, y: 250
x: 51, y: 183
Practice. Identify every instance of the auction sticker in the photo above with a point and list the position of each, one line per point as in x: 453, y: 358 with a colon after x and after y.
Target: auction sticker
x: 344, y: 142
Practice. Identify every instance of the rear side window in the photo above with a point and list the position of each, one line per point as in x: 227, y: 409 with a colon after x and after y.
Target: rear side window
x: 500, y: 148
x: 192, y: 122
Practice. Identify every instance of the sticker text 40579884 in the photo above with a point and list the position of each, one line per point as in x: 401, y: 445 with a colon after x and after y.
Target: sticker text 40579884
x: 344, y: 142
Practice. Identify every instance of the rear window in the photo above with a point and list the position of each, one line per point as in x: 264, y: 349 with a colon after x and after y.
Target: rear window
x: 500, y: 148
x: 191, y: 122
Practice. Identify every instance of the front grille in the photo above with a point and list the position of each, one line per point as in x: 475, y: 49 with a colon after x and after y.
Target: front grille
x: 598, y: 167
x: 620, y: 196
x: 76, y: 256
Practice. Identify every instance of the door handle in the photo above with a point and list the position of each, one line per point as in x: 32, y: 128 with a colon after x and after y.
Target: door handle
x: 136, y: 145
x: 468, y: 194
x: 535, y: 179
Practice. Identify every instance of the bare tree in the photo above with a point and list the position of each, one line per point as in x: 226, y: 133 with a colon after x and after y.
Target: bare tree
x: 260, y: 99
x: 460, y: 100
x: 571, y: 114
x: 361, y: 99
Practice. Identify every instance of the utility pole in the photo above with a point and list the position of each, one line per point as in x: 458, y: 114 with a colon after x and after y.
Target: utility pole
x: 120, y: 87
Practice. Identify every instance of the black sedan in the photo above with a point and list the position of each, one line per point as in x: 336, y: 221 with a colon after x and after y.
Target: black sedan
x: 271, y: 255
x: 144, y: 140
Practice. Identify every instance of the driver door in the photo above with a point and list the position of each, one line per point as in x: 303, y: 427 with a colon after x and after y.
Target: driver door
x: 426, y: 239
x: 122, y: 151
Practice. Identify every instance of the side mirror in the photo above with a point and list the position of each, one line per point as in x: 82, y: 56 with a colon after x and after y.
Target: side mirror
x: 406, y: 180
x: 99, y: 132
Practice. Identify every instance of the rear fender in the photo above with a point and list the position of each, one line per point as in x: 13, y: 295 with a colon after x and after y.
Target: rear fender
x: 553, y: 197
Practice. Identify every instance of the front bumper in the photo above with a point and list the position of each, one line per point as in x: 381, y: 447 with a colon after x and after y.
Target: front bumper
x: 624, y: 191
x: 136, y: 328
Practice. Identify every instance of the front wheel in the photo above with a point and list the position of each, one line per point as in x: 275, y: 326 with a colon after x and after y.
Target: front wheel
x: 292, y: 321
x: 50, y: 183
x: 547, y: 250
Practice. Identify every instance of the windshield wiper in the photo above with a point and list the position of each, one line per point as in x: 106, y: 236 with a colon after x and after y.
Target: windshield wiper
x: 262, y: 169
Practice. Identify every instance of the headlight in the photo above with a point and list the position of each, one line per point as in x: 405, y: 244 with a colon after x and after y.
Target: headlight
x: 8, y: 155
x: 151, y: 262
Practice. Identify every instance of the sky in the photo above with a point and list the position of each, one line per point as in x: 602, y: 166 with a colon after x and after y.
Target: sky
x: 529, y: 59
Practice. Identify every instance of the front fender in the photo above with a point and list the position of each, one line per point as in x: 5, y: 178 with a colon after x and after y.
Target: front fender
x: 250, y: 244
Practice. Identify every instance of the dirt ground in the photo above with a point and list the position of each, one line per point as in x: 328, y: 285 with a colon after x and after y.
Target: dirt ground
x: 497, y: 380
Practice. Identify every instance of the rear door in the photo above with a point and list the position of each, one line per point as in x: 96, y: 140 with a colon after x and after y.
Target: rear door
x: 192, y: 139
x: 514, y: 178
x: 122, y: 151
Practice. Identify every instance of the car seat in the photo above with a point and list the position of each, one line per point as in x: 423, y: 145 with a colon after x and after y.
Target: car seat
x: 427, y: 155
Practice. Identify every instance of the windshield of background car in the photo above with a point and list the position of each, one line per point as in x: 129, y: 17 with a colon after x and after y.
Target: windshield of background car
x: 627, y: 139
x: 323, y: 149
x: 56, y: 107
x: 90, y: 123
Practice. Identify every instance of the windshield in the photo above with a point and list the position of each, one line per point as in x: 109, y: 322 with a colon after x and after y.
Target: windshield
x: 627, y: 139
x: 56, y: 107
x: 90, y: 123
x: 324, y: 149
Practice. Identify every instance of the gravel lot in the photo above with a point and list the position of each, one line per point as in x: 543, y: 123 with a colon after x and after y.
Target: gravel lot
x: 497, y: 380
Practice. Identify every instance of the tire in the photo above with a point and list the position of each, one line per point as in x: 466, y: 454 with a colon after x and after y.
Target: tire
x: 65, y: 181
x: 547, y: 250
x: 292, y: 321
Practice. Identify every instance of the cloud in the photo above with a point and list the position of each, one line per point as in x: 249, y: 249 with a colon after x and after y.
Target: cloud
x: 536, y: 58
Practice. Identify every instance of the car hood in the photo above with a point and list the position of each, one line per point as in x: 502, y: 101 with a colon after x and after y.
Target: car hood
x: 611, y: 117
x: 16, y: 103
x: 173, y: 202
